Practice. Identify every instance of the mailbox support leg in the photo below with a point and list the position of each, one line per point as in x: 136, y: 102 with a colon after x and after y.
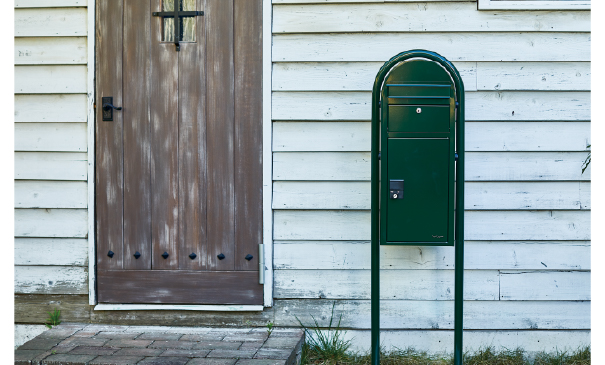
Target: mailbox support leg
x: 375, y: 231
x: 459, y: 231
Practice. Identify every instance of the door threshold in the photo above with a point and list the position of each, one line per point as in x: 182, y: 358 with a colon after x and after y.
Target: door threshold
x: 186, y: 307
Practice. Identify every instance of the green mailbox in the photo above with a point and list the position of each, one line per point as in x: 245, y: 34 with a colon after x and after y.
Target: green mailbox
x: 417, y: 155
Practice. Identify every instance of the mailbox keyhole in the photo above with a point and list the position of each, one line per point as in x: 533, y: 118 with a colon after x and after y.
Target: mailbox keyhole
x: 418, y: 110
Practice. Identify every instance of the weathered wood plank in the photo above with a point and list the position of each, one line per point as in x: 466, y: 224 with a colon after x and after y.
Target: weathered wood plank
x: 479, y: 225
x: 50, y: 79
x: 53, y: 223
x: 523, y: 285
x: 424, y: 17
x: 50, y: 3
x: 412, y: 314
x: 480, y: 136
x: 533, y: 76
x: 50, y: 166
x: 50, y: 22
x: 59, y: 137
x: 50, y: 50
x: 50, y: 194
x: 248, y: 131
x: 51, y: 280
x: 478, y: 255
x: 60, y: 108
x: 478, y: 195
x: 344, y: 76
x: 34, y: 308
x: 480, y: 46
x: 435, y: 342
x: 51, y: 251
x: 480, y: 166
x: 396, y: 284
x: 480, y: 106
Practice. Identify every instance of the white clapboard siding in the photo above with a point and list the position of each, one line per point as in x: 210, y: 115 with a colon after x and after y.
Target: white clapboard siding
x: 480, y: 136
x: 478, y: 255
x: 359, y: 76
x: 439, y: 314
x: 49, y: 3
x: 414, y: 17
x: 50, y: 22
x: 478, y: 225
x: 344, y: 76
x: 536, y: 285
x: 50, y: 280
x: 533, y: 76
x: 477, y: 195
x: 67, y: 137
x: 50, y: 79
x: 51, y: 251
x: 50, y: 194
x: 436, y: 342
x: 480, y: 166
x: 52, y: 223
x: 51, y: 50
x: 397, y: 284
x: 50, y: 166
x: 61, y: 108
x: 480, y: 46
x: 480, y: 106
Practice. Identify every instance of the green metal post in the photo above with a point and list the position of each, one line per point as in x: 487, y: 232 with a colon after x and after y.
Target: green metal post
x: 375, y: 199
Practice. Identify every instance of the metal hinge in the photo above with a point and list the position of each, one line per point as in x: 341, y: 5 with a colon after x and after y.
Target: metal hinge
x: 261, y: 264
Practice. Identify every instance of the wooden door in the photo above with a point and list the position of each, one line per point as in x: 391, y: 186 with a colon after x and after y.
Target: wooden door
x: 179, y: 169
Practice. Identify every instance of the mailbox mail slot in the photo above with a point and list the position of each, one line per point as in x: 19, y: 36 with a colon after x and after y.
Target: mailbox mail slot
x: 419, y: 118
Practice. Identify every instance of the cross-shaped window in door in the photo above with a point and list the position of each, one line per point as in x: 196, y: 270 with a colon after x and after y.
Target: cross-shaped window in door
x: 178, y: 21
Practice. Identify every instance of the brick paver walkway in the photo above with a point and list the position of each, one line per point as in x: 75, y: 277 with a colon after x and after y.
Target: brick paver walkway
x: 75, y: 344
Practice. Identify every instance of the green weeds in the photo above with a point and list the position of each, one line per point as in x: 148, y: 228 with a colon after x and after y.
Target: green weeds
x: 53, y: 318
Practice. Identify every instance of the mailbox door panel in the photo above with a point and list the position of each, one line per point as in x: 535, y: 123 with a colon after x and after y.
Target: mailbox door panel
x: 422, y: 214
x: 419, y: 118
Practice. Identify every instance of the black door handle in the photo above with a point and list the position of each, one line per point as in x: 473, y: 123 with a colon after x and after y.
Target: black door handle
x: 108, y: 106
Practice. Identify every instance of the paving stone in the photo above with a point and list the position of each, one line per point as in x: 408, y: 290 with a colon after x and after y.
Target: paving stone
x: 67, y: 359
x: 287, y: 333
x: 136, y: 351
x: 211, y: 361
x: 203, y: 337
x: 59, y: 332
x: 213, y: 345
x: 185, y: 353
x: 246, y: 336
x: 118, y: 335
x: 164, y: 361
x: 173, y: 344
x: 83, y: 341
x: 251, y: 345
x: 239, y: 354
x: 84, y: 333
x: 116, y: 360
x: 62, y: 349
x: 260, y: 362
x: 128, y: 343
x: 282, y: 342
x: 159, y: 336
x: 269, y: 353
x: 40, y: 344
x: 25, y: 356
x: 104, y: 327
x: 93, y: 350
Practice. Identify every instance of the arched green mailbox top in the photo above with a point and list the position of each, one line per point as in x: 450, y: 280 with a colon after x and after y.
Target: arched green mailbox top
x: 418, y: 121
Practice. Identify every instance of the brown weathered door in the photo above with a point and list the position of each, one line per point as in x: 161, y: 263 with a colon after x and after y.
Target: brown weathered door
x: 179, y: 169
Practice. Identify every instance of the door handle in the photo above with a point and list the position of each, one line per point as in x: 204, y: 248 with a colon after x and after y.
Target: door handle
x: 108, y: 107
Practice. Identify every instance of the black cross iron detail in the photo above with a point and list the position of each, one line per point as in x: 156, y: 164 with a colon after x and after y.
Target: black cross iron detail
x: 177, y: 14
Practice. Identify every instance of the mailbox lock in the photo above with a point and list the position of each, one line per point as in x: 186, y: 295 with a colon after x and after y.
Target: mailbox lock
x: 418, y: 110
x: 396, y: 189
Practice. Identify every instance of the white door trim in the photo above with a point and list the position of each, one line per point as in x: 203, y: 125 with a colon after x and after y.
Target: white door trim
x: 267, y: 179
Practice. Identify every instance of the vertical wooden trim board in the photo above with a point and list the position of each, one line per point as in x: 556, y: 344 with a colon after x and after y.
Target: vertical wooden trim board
x: 267, y: 155
x: 90, y: 62
x: 267, y: 212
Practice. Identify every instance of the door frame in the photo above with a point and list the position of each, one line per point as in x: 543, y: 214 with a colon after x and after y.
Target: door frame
x: 267, y: 178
